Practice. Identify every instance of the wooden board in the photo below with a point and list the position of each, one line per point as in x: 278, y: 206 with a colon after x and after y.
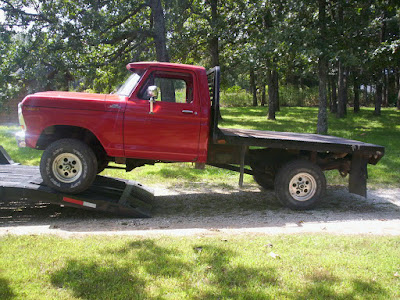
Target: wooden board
x: 299, y: 141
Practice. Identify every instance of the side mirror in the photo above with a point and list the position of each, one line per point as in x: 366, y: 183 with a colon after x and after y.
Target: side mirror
x: 152, y: 92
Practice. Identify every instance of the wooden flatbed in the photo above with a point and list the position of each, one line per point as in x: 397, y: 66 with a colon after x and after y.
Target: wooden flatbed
x: 299, y: 141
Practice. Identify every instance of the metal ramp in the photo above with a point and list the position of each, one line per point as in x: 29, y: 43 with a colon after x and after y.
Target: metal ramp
x: 117, y: 196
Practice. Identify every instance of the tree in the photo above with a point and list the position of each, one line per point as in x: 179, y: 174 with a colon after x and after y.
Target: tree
x: 93, y: 39
x: 253, y: 86
x: 70, y: 44
x: 322, y: 124
x: 160, y: 39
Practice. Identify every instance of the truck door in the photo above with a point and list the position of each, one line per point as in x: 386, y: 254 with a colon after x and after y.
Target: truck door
x: 172, y: 131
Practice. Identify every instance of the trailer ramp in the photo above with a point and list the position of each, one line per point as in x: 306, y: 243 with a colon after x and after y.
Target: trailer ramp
x: 122, y: 197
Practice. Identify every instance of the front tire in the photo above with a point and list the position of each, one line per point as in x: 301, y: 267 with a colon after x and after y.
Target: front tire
x: 68, y: 166
x: 300, y: 184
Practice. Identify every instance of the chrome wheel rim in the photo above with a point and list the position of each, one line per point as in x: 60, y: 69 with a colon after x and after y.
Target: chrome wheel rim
x: 67, y: 167
x: 302, y: 187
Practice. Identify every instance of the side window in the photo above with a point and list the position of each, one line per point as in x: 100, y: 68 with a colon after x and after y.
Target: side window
x: 173, y: 87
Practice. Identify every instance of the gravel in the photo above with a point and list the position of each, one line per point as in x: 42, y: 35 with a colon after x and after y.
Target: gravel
x: 208, y: 210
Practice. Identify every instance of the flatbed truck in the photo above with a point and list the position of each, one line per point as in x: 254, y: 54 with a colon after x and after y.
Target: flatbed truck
x: 169, y: 112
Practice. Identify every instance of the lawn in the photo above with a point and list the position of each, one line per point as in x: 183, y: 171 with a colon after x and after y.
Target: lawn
x: 219, y: 267
x: 383, y: 130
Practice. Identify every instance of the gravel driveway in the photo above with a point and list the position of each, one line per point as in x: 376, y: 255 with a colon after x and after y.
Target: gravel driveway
x: 210, y: 211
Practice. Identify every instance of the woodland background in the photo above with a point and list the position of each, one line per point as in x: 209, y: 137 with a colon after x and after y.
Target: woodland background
x: 335, y: 54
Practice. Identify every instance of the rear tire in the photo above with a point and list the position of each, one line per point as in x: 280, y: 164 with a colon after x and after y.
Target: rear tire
x: 300, y: 184
x: 68, y: 166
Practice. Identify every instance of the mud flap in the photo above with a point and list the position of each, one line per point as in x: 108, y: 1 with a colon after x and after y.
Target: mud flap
x: 358, y: 175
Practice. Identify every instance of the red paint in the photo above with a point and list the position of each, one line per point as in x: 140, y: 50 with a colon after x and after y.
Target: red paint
x: 123, y: 125
x: 70, y: 200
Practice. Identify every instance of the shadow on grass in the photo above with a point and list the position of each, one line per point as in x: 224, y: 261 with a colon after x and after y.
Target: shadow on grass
x: 142, y: 269
x: 91, y: 280
x: 232, y: 281
x: 6, y: 292
x: 155, y: 260
x: 323, y: 287
x: 147, y: 270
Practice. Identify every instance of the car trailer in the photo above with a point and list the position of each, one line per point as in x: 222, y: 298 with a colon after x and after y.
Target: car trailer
x: 117, y: 196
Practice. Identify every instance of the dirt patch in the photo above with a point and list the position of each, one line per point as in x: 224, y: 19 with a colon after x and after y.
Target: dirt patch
x: 207, y: 211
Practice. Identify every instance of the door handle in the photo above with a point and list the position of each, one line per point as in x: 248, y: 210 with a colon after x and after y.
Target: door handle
x: 187, y: 111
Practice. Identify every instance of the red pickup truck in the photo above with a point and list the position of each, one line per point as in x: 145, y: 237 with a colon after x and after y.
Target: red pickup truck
x: 168, y: 112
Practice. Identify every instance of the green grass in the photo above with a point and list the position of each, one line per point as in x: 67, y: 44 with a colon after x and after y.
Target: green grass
x: 219, y: 267
x: 383, y: 130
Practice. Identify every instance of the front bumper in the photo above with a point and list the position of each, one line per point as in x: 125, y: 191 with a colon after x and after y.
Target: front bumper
x: 20, y: 137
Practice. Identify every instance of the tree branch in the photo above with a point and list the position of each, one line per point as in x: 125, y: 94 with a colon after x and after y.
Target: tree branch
x: 13, y: 9
x: 124, y: 19
x: 127, y: 34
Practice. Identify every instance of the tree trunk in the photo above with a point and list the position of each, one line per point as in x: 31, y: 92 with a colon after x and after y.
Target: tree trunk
x: 398, y: 84
x: 160, y: 39
x: 392, y: 88
x: 342, y: 92
x: 398, y: 92
x: 385, y: 90
x: 263, y: 96
x: 381, y: 74
x: 378, y: 98
x: 334, y: 104
x: 253, y: 86
x: 213, y: 43
x: 366, y: 98
x: 214, y: 40
x: 329, y: 92
x: 341, y: 110
x: 271, y: 97
x: 322, y: 124
x: 356, y: 86
x: 276, y: 90
x: 345, y: 91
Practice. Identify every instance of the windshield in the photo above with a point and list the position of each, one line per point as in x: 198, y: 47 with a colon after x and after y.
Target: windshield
x: 127, y: 88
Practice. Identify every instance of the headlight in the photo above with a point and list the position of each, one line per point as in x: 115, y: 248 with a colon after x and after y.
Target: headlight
x: 21, y: 117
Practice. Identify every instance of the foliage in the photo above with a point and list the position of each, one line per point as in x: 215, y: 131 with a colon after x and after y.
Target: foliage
x: 84, y: 45
x: 293, y: 96
x: 290, y: 95
x: 235, y: 97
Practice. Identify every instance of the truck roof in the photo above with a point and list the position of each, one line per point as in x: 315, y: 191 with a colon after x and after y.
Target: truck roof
x: 147, y: 64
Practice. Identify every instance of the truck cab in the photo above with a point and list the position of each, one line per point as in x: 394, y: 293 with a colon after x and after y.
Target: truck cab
x: 174, y: 124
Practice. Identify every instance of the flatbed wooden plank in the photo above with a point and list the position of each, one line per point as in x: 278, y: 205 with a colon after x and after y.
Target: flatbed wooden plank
x: 299, y: 141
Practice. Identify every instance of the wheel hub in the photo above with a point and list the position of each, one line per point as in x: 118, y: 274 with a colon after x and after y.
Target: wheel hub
x: 67, y: 167
x: 302, y: 186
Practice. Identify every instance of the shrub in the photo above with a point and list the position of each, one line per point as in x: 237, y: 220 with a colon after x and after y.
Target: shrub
x: 290, y: 95
x: 235, y: 97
